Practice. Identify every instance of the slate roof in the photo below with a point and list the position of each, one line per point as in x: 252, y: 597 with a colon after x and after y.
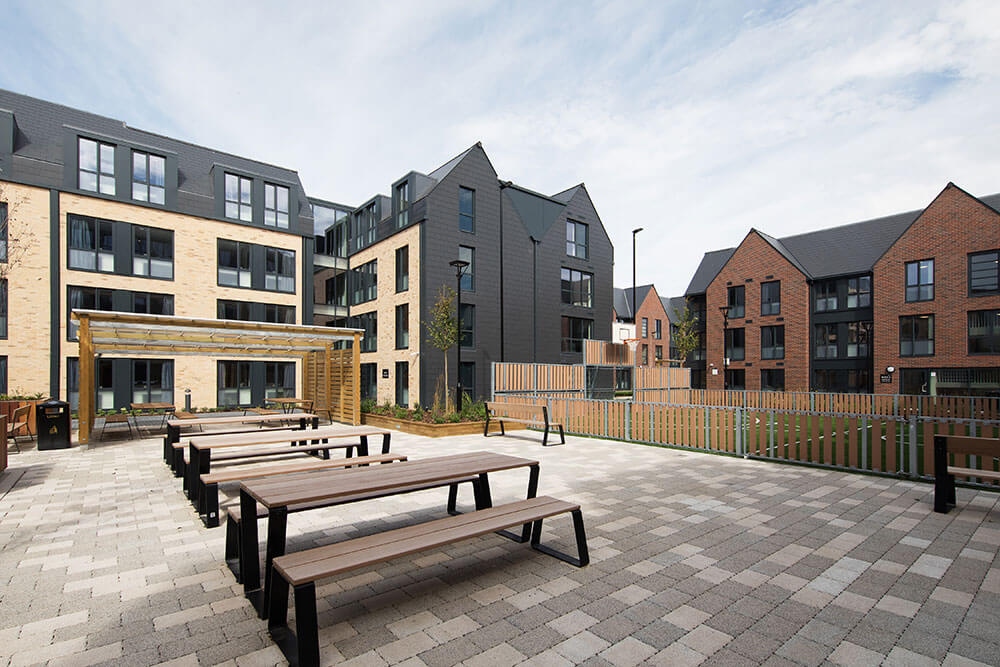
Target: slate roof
x: 623, y: 300
x: 672, y: 304
x: 711, y: 263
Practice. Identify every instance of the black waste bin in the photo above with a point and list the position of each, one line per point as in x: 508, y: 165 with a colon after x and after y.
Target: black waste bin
x: 52, y: 422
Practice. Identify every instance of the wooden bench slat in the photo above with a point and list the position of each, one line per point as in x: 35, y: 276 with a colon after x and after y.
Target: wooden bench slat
x: 247, y: 419
x: 985, y: 447
x: 246, y: 438
x: 972, y: 472
x: 326, y: 561
x: 257, y: 471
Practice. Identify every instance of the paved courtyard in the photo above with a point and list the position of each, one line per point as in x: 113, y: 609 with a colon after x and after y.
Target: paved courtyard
x: 696, y: 559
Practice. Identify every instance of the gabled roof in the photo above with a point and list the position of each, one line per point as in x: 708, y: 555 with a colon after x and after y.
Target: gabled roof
x: 782, y: 250
x: 711, y: 263
x: 673, y: 305
x: 566, y: 195
x: 537, y: 211
x: 623, y: 298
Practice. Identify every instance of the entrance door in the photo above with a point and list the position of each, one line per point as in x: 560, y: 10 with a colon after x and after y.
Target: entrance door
x: 916, y: 381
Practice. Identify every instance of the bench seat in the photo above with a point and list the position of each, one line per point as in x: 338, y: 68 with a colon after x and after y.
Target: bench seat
x: 522, y: 413
x: 987, y: 449
x: 301, y: 570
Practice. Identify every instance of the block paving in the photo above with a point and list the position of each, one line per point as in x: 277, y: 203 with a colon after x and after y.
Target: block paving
x: 696, y: 559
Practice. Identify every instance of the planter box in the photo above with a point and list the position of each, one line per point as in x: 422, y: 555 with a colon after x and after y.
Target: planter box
x: 7, y: 409
x: 433, y: 430
x: 3, y: 443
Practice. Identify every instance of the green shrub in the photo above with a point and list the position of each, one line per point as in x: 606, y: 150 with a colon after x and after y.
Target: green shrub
x: 368, y: 405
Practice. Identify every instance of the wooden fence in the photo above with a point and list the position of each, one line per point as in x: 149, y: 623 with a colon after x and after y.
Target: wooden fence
x: 604, y: 353
x: 534, y: 378
x: 330, y: 379
x: 895, y: 445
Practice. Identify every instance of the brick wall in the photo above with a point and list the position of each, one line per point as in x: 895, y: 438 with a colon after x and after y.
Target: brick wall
x: 652, y: 309
x: 756, y: 261
x: 952, y: 226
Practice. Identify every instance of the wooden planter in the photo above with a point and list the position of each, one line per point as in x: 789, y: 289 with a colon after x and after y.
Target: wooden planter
x: 7, y: 409
x: 3, y: 443
x: 432, y: 430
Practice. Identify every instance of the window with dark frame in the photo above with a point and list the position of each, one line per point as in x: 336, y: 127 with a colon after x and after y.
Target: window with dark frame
x: 657, y: 330
x: 3, y: 308
x: 402, y: 269
x: 3, y: 374
x: 368, y: 322
x: 239, y: 198
x: 233, y: 310
x: 574, y: 331
x: 234, y: 384
x: 234, y: 263
x: 826, y: 295
x: 152, y: 252
x: 736, y: 344
x: 645, y: 354
x: 279, y: 314
x: 3, y: 231
x: 279, y: 270
x: 336, y: 290
x: 916, y: 336
x: 402, y: 204
x: 85, y: 298
x: 467, y: 378
x: 825, y: 341
x: 645, y: 327
x: 152, y: 381
x: 402, y: 326
x: 577, y: 239
x: 984, y: 273
x: 369, y: 382
x: 96, y: 165
x: 859, y: 292
x: 148, y: 177
x: 91, y: 244
x: 403, y: 384
x: 736, y: 379
x: 984, y: 331
x: 772, y: 342
x: 466, y: 209
x: 275, y: 206
x: 364, y: 283
x: 770, y: 298
x: 920, y: 280
x: 772, y: 379
x: 859, y: 336
x: 467, y: 254
x: 658, y: 352
x: 577, y: 287
x: 467, y: 326
x: 737, y: 301
x: 279, y: 379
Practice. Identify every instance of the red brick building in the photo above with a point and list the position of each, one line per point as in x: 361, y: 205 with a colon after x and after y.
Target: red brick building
x: 652, y: 325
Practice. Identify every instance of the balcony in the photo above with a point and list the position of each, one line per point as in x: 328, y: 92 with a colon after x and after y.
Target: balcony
x: 329, y: 310
x: 329, y: 262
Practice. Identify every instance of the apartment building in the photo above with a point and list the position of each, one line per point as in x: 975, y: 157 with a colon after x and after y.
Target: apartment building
x: 834, y: 310
x: 101, y: 215
x: 650, y: 322
x: 538, y: 280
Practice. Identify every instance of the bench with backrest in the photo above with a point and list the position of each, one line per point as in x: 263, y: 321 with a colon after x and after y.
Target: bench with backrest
x: 18, y: 425
x: 208, y: 498
x: 301, y: 570
x: 522, y: 413
x: 988, y: 449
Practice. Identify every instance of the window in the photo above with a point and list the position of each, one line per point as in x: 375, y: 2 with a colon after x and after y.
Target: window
x: 772, y: 379
x: 3, y: 308
x: 93, y: 298
x: 3, y: 231
x: 234, y: 310
x: 467, y: 378
x: 658, y: 352
x: 574, y: 331
x: 576, y: 240
x: 86, y: 298
x: 279, y: 270
x: 276, y: 206
x: 279, y: 379
x: 234, y: 263
x: 152, y: 252
x: 736, y: 378
x: 699, y: 352
x: 577, y: 288
x: 73, y: 382
x: 645, y: 354
x: 91, y: 244
x: 279, y: 314
x: 96, y: 166
x: 920, y: 280
x: 645, y: 327
x: 403, y: 326
x: 770, y: 298
x: 239, y: 205
x: 152, y: 381
x: 736, y: 344
x: 859, y: 336
x: 467, y: 254
x: 772, y: 342
x: 368, y: 322
x: 402, y: 205
x: 467, y: 329
x: 737, y: 301
x: 403, y: 384
x: 105, y: 380
x: 336, y: 290
x: 364, y: 283
x: 916, y: 335
x: 826, y: 341
x: 148, y: 177
x: 826, y: 296
x: 851, y: 381
x: 152, y: 304
x: 984, y: 272
x: 402, y: 269
x: 859, y: 292
x: 369, y: 381
x: 3, y: 374
x: 657, y: 332
x: 234, y: 383
x: 984, y: 331
x: 466, y: 209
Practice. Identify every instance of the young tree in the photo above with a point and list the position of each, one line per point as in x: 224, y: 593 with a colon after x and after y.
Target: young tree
x: 684, y: 337
x: 442, y: 329
x: 13, y: 246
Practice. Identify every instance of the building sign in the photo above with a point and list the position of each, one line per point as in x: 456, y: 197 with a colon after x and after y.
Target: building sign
x: 385, y: 373
x: 885, y: 378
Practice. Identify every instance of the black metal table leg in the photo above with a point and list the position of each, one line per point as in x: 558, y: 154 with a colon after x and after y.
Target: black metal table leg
x: 363, y: 446
x: 385, y: 443
x: 277, y: 527
x: 249, y: 557
x: 173, y: 435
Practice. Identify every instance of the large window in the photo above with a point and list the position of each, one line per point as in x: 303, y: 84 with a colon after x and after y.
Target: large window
x: 234, y: 263
x: 3, y: 231
x: 737, y: 301
x: 234, y: 383
x: 859, y: 292
x: 91, y: 244
x: 3, y: 374
x: 984, y: 332
x: 826, y: 295
x: 658, y: 352
x: 772, y: 379
x: 859, y: 335
x: 275, y: 206
x: 403, y: 268
x: 3, y: 308
x: 770, y: 298
x: 152, y: 381
x: 86, y: 298
x: 152, y: 304
x: 920, y: 280
x: 279, y: 270
x: 984, y: 273
x: 577, y: 239
x: 336, y: 290
x: 402, y: 204
x: 403, y: 326
x: 577, y: 287
x: 279, y: 379
x: 466, y: 209
x: 148, y: 177
x: 94, y: 298
x: 856, y: 381
x: 467, y: 328
x: 645, y: 354
x: 234, y: 310
x: 364, y: 283
x: 369, y: 381
x: 368, y: 322
x: 736, y: 344
x: 279, y: 314
x: 152, y: 252
x: 239, y: 202
x: 916, y: 336
x: 96, y: 166
x: 645, y: 327
x: 467, y: 254
x: 772, y: 342
x: 736, y: 378
x: 467, y: 378
x: 574, y: 331
x: 657, y: 330
x: 826, y: 341
x: 403, y: 384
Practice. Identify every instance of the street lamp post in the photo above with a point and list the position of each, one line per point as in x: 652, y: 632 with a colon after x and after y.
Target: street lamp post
x: 725, y: 358
x: 460, y: 266
x: 635, y: 306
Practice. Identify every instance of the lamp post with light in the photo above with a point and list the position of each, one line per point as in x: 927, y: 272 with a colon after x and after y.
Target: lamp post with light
x: 460, y: 266
x: 725, y: 358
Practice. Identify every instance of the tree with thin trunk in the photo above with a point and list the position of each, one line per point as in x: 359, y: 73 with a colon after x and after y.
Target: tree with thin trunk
x: 442, y: 329
x: 13, y: 246
x: 684, y: 337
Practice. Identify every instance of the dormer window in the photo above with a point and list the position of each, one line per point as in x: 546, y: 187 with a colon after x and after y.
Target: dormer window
x: 239, y: 205
x: 402, y: 205
x: 148, y: 177
x: 96, y: 163
x: 275, y: 206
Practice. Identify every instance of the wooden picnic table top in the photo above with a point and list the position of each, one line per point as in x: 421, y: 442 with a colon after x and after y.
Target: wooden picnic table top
x: 248, y: 438
x: 243, y: 419
x: 288, y: 401
x: 329, y: 485
x: 152, y: 406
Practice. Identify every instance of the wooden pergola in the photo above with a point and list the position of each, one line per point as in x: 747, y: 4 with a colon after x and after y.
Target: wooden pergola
x: 330, y: 377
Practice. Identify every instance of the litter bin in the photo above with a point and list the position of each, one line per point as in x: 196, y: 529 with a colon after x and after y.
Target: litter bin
x: 52, y: 422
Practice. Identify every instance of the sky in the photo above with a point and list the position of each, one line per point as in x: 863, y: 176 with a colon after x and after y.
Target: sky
x: 693, y: 120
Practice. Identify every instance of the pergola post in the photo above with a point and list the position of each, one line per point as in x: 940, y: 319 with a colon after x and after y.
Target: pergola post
x: 85, y: 410
x: 356, y: 385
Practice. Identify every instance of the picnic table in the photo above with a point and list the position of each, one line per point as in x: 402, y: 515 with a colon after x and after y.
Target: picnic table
x: 174, y: 428
x: 325, y: 488
x: 155, y: 408
x: 289, y: 404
